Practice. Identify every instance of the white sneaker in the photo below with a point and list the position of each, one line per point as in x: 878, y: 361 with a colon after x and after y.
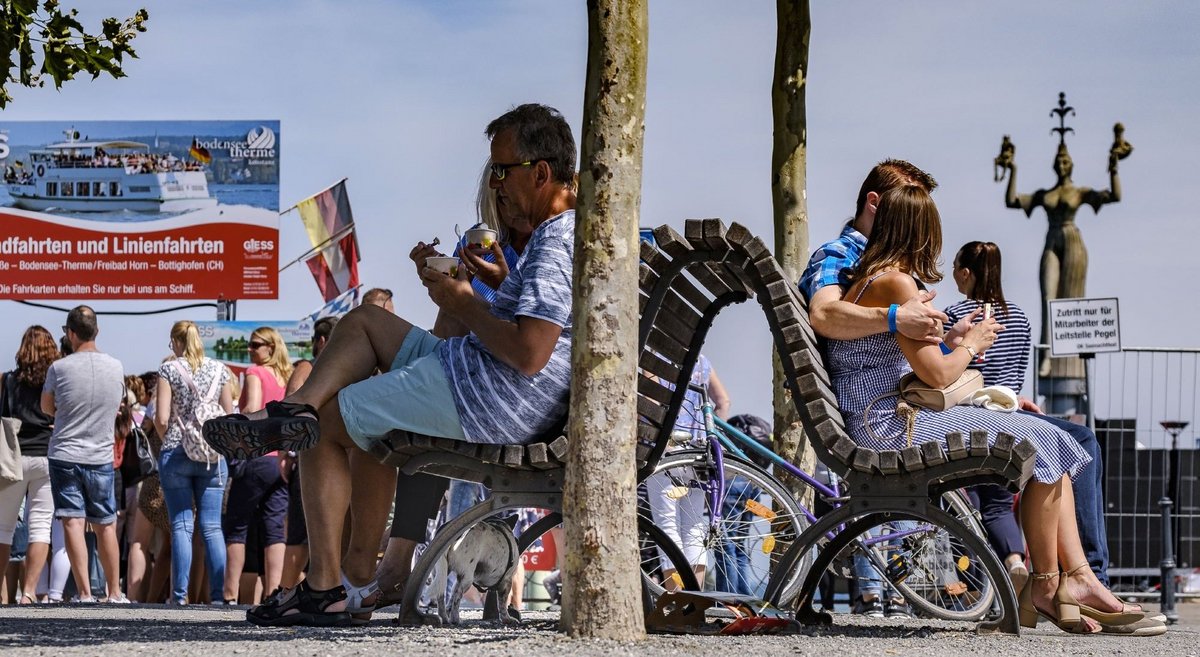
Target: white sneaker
x: 77, y: 600
x: 118, y: 600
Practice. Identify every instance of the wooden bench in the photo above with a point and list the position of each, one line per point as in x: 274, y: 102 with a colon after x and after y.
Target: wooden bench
x: 684, y: 282
x: 681, y: 290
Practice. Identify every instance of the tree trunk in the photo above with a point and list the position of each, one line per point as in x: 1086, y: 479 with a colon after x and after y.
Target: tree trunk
x: 602, y: 592
x: 788, y: 195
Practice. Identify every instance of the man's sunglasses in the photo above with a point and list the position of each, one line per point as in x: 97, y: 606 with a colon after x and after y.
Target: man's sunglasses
x: 500, y: 170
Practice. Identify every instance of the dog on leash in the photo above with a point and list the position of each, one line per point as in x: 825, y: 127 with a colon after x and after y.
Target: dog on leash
x: 486, y: 557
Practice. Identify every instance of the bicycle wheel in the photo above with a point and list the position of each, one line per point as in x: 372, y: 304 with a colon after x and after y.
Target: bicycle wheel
x: 739, y: 544
x: 932, y: 567
x: 650, y: 538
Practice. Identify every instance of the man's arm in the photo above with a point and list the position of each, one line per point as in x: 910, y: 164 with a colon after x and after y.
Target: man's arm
x: 833, y: 317
x: 48, y: 403
x: 526, y: 344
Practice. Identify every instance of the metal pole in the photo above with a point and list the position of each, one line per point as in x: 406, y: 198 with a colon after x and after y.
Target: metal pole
x: 1087, y: 390
x: 1167, y: 565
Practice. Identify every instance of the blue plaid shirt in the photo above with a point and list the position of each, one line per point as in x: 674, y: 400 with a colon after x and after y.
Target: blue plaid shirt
x: 830, y: 263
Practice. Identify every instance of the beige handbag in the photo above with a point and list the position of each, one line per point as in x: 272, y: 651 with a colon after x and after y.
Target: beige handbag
x: 10, y: 447
x: 914, y: 392
x: 918, y: 393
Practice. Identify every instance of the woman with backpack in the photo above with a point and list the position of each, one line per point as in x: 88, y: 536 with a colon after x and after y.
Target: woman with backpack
x: 191, y: 389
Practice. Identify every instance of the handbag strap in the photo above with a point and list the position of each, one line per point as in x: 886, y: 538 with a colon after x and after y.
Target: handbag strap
x: 903, y: 408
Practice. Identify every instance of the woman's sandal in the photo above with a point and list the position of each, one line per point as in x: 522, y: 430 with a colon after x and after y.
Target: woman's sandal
x: 288, y: 427
x: 1066, y: 608
x: 300, y: 606
x: 1128, y: 621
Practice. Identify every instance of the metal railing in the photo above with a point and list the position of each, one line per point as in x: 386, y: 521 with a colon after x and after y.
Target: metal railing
x: 1143, y: 404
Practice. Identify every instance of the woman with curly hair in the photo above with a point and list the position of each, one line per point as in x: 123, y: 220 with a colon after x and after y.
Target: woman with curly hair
x: 20, y: 397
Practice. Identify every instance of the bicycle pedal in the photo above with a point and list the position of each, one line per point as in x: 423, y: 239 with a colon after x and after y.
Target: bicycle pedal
x: 897, y: 569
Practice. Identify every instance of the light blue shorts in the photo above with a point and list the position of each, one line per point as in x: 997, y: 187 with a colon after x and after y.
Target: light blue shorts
x: 414, y: 395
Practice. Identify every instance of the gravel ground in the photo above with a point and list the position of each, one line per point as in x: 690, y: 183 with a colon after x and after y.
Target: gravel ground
x: 154, y: 629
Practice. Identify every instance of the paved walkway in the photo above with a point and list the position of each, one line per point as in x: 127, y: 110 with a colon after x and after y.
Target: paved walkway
x: 208, y: 632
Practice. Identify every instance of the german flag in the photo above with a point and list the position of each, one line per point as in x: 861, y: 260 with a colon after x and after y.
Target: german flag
x: 199, y: 152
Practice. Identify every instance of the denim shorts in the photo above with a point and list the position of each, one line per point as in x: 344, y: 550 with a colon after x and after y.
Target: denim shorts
x: 83, y: 491
x: 413, y: 395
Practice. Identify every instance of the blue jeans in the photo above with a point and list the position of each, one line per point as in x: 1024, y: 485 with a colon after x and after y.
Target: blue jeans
x: 184, y: 483
x: 732, y: 559
x: 868, y: 579
x: 83, y: 491
x: 1089, y: 500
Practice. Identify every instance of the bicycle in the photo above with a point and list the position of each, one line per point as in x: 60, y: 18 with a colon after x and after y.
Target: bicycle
x: 756, y: 518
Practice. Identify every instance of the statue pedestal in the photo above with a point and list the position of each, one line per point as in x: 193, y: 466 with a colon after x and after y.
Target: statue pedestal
x: 1064, y: 395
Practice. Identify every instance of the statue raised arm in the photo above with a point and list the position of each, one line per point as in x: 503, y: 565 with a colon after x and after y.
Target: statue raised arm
x: 1064, y: 257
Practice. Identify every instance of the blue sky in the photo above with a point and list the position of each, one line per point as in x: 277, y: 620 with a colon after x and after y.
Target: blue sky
x: 394, y: 95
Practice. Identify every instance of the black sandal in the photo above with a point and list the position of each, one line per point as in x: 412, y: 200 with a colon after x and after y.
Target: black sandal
x: 300, y: 606
x: 288, y: 427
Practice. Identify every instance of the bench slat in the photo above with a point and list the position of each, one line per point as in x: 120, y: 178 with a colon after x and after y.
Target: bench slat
x: 558, y: 448
x: 491, y: 453
x: 889, y: 461
x: 653, y: 412
x: 979, y: 443
x: 654, y: 390
x: 911, y: 457
x: 671, y: 242
x: 866, y: 460
x: 932, y: 453
x: 713, y: 231
x: 514, y: 455
x: 956, y: 446
x: 658, y: 366
x: 666, y: 345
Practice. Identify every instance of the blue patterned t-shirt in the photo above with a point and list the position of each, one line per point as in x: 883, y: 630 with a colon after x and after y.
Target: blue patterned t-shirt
x: 495, y: 402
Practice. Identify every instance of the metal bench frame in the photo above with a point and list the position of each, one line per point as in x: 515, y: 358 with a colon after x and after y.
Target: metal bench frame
x: 684, y: 282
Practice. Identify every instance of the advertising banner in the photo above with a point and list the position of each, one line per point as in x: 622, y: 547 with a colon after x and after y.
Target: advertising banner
x: 139, y: 210
x: 229, y: 342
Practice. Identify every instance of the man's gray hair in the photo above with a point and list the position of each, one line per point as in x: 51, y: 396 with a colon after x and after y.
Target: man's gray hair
x: 542, y: 134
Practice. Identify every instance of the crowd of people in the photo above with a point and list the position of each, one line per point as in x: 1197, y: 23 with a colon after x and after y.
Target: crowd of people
x: 495, y: 368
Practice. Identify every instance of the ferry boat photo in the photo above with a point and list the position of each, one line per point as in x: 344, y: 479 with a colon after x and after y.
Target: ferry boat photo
x: 106, y: 176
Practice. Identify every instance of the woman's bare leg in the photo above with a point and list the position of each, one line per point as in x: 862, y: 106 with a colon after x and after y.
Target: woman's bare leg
x: 1082, y: 583
x: 1041, y: 509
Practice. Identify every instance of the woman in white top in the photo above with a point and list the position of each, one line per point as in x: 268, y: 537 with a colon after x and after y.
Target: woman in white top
x: 182, y: 382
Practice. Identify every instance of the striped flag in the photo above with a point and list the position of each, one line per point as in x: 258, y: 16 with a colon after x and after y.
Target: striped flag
x: 338, y: 306
x: 330, y: 225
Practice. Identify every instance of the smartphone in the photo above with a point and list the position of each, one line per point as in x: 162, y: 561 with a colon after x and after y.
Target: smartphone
x: 987, y: 314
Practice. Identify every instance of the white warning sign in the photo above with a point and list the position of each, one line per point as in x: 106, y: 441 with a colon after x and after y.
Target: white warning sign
x: 1084, y: 326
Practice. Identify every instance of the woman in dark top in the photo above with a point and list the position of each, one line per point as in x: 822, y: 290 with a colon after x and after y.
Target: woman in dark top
x: 21, y: 398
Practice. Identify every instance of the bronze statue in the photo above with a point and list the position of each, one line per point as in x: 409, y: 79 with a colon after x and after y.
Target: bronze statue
x: 1064, y: 257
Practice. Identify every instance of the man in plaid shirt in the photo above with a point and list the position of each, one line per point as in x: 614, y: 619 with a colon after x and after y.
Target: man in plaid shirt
x: 824, y: 280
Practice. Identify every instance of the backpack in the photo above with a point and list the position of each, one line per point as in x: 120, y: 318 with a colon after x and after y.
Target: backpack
x: 194, y: 445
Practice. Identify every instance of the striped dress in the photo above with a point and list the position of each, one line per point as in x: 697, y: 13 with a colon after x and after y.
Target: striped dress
x: 1007, y: 359
x: 866, y: 368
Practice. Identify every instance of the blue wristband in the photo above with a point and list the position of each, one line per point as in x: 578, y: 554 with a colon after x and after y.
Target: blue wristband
x: 892, y: 317
x: 945, y: 350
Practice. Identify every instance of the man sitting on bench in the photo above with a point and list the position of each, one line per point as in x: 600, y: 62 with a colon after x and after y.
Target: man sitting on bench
x: 506, y: 381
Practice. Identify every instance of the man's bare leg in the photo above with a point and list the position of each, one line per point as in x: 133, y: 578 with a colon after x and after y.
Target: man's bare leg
x: 366, y: 339
x: 326, y: 493
x: 110, y: 558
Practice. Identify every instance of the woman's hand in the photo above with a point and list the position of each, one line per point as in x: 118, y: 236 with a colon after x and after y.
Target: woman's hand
x: 982, y: 335
x: 421, y: 252
x: 491, y: 273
